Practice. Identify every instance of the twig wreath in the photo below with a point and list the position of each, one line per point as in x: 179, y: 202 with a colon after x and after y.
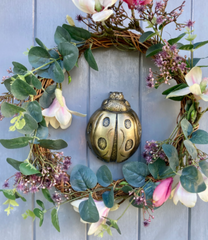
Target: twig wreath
x: 34, y: 99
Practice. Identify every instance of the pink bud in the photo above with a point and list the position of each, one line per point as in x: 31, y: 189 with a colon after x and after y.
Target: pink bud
x: 162, y: 192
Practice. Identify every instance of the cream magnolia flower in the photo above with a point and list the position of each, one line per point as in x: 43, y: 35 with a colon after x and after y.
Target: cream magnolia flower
x: 95, y: 228
x: 186, y: 198
x: 196, y: 85
x: 58, y: 115
x: 99, y: 8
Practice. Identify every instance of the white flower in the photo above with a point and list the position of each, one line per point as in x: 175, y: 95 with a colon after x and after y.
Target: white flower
x: 95, y: 228
x: 196, y: 85
x: 99, y: 8
x: 186, y: 198
x: 58, y: 115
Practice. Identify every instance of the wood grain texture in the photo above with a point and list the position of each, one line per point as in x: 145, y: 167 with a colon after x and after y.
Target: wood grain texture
x: 118, y: 71
x: 16, y: 24
x: 199, y: 215
x: 158, y: 120
x: 49, y: 15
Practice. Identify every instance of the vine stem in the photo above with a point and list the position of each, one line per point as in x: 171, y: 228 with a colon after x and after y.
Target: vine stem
x: 27, y: 74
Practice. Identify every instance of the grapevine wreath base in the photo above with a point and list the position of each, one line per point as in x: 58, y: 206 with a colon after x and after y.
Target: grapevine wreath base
x: 34, y: 100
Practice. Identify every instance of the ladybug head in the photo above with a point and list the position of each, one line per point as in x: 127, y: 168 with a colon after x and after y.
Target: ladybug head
x: 116, y: 95
x: 116, y: 103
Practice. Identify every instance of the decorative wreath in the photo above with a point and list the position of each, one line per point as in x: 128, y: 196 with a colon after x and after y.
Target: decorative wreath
x: 34, y: 100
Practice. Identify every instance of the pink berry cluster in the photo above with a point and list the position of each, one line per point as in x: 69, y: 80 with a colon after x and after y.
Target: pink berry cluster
x: 160, y: 15
x: 153, y: 151
x: 53, y: 172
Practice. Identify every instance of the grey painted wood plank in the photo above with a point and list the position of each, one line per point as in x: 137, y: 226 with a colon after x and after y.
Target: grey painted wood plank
x: 48, y: 16
x: 199, y: 216
x: 158, y: 120
x: 16, y: 24
x: 118, y: 71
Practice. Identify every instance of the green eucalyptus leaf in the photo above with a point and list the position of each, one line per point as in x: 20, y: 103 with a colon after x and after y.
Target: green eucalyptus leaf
x: 18, y: 195
x: 199, y: 137
x: 88, y: 210
x: 21, y: 90
x: 127, y: 189
x: 77, y: 33
x: 204, y: 167
x: 40, y: 214
x: 186, y: 127
x: 190, y: 148
x: 104, y: 176
x: 147, y: 35
x: 199, y: 44
x: 28, y: 169
x: 14, y: 163
x: 9, y: 110
x: 53, y: 144
x: 195, y: 61
x: 33, y: 80
x: 70, y: 54
x: 9, y: 193
x: 187, y: 47
x: 135, y: 173
x: 56, y: 72
x: 55, y: 220
x: 41, y: 204
x: 175, y: 88
x: 38, y: 56
x: 61, y: 35
x: 172, y: 155
x: 154, y: 49
x: 7, y: 84
x: 175, y: 40
x: 47, y: 195
x: 42, y: 133
x: 90, y: 59
x: 47, y: 98
x: 159, y: 170
x: 30, y: 125
x: 192, y: 180
x: 19, y: 68
x: 82, y: 178
x: 53, y: 54
x: 108, y: 198
x: 39, y: 42
x: 15, y: 142
x: 34, y: 109
x: 113, y: 224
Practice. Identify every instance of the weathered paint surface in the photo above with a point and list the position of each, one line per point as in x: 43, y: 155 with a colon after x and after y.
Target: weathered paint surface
x: 22, y: 21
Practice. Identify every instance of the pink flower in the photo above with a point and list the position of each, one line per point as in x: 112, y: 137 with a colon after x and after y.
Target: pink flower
x: 145, y: 2
x: 95, y: 228
x: 131, y: 3
x: 58, y: 114
x: 99, y: 8
x: 162, y: 191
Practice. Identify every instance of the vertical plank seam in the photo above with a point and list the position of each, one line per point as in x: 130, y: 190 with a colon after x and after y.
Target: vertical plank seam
x: 189, y: 210
x: 140, y: 117
x: 88, y: 118
x: 34, y: 23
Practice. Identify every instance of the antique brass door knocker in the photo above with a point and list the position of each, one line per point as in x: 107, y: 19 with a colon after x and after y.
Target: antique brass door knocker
x: 114, y: 130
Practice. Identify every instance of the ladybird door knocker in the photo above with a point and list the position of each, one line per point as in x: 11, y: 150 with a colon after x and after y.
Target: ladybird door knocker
x: 114, y: 130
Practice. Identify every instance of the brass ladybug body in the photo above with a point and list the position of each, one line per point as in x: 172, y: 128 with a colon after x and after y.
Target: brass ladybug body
x: 114, y: 130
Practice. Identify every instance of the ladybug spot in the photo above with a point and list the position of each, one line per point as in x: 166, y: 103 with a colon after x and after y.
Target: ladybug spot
x: 127, y: 123
x: 106, y: 122
x: 129, y: 145
x: 102, y: 143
